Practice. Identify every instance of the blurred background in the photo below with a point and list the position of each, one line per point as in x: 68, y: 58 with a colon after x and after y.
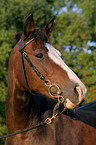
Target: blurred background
x: 74, y: 35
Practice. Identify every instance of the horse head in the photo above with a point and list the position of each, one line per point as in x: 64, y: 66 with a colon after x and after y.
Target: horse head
x: 57, y: 79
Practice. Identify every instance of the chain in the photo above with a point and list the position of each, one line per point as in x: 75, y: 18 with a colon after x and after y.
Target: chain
x: 55, y: 114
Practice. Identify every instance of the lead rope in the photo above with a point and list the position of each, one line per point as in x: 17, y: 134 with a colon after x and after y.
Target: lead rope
x: 46, y: 122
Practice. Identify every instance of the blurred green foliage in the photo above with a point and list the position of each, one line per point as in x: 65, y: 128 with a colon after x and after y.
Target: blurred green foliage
x: 75, y: 26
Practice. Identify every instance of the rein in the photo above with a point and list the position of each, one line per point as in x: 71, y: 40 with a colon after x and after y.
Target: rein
x: 48, y: 83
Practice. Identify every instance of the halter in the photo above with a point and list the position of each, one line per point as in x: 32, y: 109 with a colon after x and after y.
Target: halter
x: 48, y: 83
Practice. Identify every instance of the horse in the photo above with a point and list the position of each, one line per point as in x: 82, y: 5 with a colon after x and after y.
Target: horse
x: 40, y: 85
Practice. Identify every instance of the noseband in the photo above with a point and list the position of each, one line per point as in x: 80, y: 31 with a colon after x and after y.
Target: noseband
x: 48, y: 83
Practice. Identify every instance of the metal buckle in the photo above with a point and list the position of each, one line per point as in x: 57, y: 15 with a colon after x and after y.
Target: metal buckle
x: 49, y: 120
x: 50, y: 85
x: 56, y: 96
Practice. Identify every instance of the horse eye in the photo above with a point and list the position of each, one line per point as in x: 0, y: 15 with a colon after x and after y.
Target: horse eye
x: 40, y: 55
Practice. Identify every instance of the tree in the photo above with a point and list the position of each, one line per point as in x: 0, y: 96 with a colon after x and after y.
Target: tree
x: 74, y: 35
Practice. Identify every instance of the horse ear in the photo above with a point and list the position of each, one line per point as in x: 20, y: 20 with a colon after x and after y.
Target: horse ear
x: 29, y: 25
x: 48, y: 28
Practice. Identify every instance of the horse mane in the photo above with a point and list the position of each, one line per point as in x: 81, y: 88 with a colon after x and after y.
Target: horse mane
x: 36, y: 34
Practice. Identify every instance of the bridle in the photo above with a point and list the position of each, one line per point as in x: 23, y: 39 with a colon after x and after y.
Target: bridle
x: 48, y: 83
x: 60, y: 99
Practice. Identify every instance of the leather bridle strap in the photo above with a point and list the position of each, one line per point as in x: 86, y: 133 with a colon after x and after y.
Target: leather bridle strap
x: 24, y: 72
x: 23, y: 54
x: 22, y: 47
x: 34, y: 68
